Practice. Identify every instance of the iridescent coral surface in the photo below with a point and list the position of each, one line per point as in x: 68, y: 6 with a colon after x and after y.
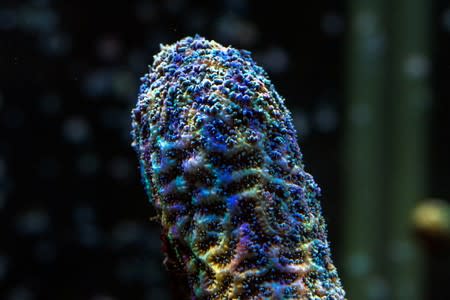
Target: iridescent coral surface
x: 221, y: 164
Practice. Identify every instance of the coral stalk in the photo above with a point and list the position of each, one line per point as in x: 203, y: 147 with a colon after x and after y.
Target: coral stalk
x: 220, y: 162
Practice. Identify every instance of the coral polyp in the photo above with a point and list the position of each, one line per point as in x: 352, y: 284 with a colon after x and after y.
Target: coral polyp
x: 221, y: 164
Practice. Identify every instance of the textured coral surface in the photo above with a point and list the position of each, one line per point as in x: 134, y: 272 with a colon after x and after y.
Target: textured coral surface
x: 221, y: 164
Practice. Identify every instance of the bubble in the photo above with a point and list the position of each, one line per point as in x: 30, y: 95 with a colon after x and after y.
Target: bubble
x: 232, y: 29
x: 301, y: 123
x: 33, y: 222
x: 42, y: 20
x: 56, y: 44
x: 124, y: 86
x: 89, y: 235
x: 275, y: 59
x: 326, y: 118
x: 358, y: 264
x: 109, y: 48
x: 76, y: 130
x: 417, y: 66
x: 98, y: 83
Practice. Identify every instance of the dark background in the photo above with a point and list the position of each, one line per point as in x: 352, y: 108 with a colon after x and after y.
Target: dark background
x: 74, y: 219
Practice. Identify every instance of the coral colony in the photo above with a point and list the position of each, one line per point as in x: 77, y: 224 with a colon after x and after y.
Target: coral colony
x: 221, y: 164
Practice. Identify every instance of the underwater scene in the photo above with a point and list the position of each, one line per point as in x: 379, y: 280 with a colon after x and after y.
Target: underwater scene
x: 232, y: 149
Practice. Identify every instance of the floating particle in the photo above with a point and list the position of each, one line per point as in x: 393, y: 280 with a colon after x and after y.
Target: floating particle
x: 301, y: 122
x: 98, y: 83
x: 326, y: 118
x: 76, y: 130
x: 275, y: 59
x: 233, y: 29
x: 37, y: 20
x: 33, y: 222
x: 55, y: 44
x: 220, y: 162
x: 109, y: 48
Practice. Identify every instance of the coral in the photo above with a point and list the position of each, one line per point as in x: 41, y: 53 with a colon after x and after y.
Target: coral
x: 220, y: 162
